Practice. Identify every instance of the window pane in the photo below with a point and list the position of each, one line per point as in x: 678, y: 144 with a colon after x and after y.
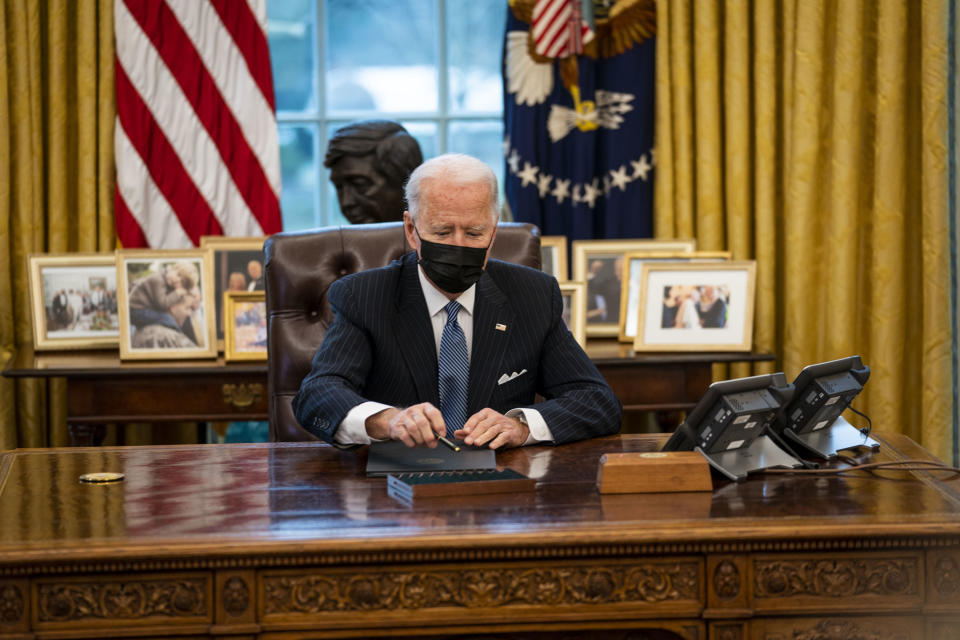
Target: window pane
x: 474, y: 43
x: 426, y: 135
x: 292, y: 34
x: 381, y: 56
x: 299, y: 167
x: 481, y: 139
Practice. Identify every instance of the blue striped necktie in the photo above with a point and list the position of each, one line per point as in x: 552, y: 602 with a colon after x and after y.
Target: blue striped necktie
x: 454, y: 371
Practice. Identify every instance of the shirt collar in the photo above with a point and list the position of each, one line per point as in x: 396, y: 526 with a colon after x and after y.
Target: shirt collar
x: 437, y: 301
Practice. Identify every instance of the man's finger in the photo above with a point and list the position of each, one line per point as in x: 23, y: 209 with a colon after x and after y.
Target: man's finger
x: 480, y: 418
x: 503, y: 438
x: 435, y: 418
x: 414, y: 423
x: 485, y: 431
x: 399, y: 432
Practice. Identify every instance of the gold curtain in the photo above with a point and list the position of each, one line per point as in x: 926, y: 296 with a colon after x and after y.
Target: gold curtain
x: 57, y: 111
x: 811, y: 136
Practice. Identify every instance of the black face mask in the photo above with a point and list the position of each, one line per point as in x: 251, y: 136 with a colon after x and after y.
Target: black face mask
x: 450, y: 267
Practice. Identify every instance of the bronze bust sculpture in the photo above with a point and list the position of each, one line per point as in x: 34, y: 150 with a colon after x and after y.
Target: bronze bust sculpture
x: 369, y: 163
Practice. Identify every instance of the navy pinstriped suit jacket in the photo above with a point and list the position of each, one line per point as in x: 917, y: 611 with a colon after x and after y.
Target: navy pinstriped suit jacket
x: 381, y: 347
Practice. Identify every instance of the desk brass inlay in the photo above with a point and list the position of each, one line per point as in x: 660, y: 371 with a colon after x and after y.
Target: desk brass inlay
x: 11, y: 603
x: 242, y: 396
x: 128, y: 600
x: 837, y: 578
x: 236, y: 596
x: 393, y: 590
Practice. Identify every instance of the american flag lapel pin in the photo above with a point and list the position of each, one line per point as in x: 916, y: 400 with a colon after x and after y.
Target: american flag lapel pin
x: 500, y: 327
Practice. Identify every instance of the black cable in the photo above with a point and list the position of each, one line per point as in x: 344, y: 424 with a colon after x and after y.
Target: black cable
x: 867, y: 429
x: 782, y: 442
x: 889, y: 465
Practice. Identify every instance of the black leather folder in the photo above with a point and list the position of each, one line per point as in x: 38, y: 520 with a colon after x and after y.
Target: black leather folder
x: 393, y: 456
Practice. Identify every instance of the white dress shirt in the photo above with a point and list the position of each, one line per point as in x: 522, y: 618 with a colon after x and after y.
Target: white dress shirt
x: 353, y: 428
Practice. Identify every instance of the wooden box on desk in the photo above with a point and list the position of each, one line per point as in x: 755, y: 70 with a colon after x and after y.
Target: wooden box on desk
x: 653, y: 472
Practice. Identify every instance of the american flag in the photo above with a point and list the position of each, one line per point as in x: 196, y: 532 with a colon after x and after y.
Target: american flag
x: 558, y: 28
x: 196, y: 135
x: 579, y: 128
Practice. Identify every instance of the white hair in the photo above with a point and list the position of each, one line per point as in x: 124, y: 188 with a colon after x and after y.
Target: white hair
x: 456, y: 168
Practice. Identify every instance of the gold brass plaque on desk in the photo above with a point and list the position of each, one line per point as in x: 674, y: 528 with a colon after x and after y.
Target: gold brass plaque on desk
x: 102, y: 477
x: 653, y: 472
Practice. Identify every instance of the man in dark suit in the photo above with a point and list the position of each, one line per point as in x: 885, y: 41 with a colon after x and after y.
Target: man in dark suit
x: 393, y: 364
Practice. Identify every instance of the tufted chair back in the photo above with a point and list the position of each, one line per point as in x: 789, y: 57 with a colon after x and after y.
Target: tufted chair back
x: 301, y: 266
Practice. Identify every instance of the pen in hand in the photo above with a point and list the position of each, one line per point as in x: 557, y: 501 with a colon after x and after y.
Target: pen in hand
x: 448, y: 442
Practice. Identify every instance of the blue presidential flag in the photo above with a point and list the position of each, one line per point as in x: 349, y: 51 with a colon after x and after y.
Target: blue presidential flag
x: 578, y: 111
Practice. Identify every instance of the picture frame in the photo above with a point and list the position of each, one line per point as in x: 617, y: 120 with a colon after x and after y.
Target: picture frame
x: 166, y: 304
x: 553, y: 257
x: 574, y: 310
x: 599, y: 263
x: 232, y: 261
x: 73, y: 301
x: 245, y: 325
x: 630, y: 294
x: 679, y: 306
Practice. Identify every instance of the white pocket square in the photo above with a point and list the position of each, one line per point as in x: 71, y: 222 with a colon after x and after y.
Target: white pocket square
x: 508, y: 377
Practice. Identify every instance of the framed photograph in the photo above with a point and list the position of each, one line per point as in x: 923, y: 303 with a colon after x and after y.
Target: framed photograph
x: 599, y: 263
x: 686, y: 306
x: 237, y: 266
x: 73, y: 299
x: 574, y: 311
x: 166, y: 304
x: 245, y: 325
x: 630, y: 294
x: 553, y: 256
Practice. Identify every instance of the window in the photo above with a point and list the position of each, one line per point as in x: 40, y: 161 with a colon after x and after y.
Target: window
x: 432, y: 65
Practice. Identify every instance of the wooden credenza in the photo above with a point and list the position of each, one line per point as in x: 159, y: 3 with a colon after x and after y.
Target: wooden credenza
x: 101, y: 389
x: 291, y: 541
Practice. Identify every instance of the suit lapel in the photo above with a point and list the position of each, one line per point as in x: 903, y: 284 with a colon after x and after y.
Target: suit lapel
x: 414, y: 332
x: 489, y: 343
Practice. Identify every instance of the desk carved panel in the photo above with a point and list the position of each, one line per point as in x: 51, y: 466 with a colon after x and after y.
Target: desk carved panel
x: 122, y: 599
x: 847, y: 628
x: 12, y: 603
x: 838, y: 577
x: 945, y: 575
x: 404, y: 589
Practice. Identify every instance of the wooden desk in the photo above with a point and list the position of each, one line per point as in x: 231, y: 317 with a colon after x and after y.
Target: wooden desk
x: 102, y: 389
x: 292, y: 541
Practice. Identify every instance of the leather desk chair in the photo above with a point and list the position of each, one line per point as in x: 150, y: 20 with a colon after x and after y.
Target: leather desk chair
x: 301, y: 266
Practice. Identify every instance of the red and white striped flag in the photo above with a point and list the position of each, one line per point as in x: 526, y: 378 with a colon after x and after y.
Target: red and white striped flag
x: 558, y: 28
x: 196, y: 136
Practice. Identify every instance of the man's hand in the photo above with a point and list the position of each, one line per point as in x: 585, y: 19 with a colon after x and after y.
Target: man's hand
x: 414, y: 426
x: 489, y: 426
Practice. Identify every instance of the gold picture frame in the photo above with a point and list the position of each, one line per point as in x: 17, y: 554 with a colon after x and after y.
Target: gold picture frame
x: 232, y: 261
x: 686, y: 306
x: 553, y: 257
x: 574, y: 310
x: 630, y: 292
x: 245, y: 325
x: 595, y: 263
x: 73, y: 301
x: 166, y: 304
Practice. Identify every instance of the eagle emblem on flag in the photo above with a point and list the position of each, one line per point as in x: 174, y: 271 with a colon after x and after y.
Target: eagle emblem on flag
x: 558, y: 34
x: 578, y: 80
